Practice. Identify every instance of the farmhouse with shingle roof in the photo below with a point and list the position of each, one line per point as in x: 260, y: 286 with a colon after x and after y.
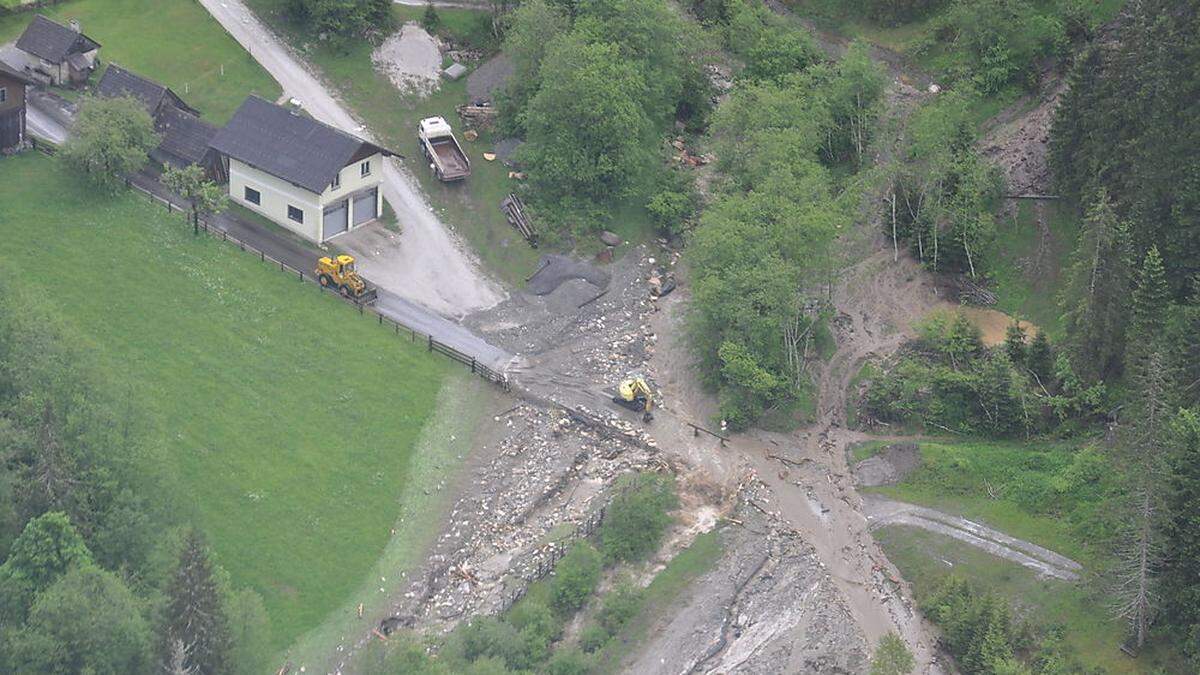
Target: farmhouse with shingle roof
x: 58, y: 54
x: 309, y: 177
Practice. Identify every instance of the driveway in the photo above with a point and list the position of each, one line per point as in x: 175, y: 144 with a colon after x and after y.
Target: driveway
x: 426, y: 264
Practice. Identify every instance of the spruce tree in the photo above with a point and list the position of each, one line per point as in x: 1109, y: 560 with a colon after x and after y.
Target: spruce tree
x: 1014, y: 343
x: 195, y: 613
x: 1040, y: 359
x: 1181, y: 533
x: 1151, y: 306
x: 1096, y: 292
x: 1143, y: 450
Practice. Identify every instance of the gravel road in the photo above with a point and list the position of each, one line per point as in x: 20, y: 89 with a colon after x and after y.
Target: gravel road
x: 430, y: 265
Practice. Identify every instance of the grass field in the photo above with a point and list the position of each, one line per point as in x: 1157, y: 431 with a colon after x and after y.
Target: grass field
x: 1045, y: 493
x: 472, y: 207
x: 1053, y: 494
x: 290, y: 422
x: 174, y: 42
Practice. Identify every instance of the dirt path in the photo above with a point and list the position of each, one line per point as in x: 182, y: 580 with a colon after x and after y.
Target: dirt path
x: 882, y: 511
x: 426, y: 264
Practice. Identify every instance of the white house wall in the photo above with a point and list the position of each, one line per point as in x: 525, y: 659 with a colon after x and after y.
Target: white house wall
x: 353, y: 182
x: 276, y: 195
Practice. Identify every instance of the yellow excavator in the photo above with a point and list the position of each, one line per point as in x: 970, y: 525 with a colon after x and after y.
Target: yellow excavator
x: 340, y: 273
x: 634, y: 393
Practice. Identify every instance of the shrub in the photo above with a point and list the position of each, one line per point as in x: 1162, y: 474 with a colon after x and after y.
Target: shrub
x: 593, y: 638
x: 637, y: 518
x: 569, y: 662
x: 489, y: 637
x: 619, y: 607
x: 575, y: 578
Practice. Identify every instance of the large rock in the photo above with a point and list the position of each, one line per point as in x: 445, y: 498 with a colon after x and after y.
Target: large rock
x: 610, y: 238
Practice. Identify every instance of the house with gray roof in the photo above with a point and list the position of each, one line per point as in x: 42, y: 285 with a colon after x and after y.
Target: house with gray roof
x: 118, y: 81
x: 313, y: 179
x: 185, y: 137
x: 58, y: 54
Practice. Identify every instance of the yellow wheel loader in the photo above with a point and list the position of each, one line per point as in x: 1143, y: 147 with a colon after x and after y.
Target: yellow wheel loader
x: 634, y: 393
x: 340, y: 273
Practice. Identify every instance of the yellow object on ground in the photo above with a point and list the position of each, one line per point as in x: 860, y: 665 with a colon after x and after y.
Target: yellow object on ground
x: 341, y: 273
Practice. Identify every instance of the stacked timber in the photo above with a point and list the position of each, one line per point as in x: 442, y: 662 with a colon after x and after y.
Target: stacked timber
x: 514, y: 211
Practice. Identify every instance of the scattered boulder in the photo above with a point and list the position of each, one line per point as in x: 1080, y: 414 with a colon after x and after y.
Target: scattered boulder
x: 610, y: 238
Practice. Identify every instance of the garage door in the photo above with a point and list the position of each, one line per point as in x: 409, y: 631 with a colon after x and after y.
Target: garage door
x: 364, y: 207
x: 335, y: 219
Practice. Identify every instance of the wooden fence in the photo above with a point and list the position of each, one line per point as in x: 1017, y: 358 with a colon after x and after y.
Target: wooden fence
x: 546, y: 563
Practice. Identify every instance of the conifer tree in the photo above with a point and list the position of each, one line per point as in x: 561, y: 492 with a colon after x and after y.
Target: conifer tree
x: 1040, y: 359
x: 1181, y: 532
x: 1014, y: 343
x: 195, y: 616
x: 1096, y: 292
x: 1144, y: 450
x: 1151, y: 305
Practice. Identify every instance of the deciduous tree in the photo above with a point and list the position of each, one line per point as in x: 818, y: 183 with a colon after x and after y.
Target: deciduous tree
x: 111, y: 138
x: 191, y: 183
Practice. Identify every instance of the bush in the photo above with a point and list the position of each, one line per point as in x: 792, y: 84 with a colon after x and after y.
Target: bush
x: 621, y: 605
x: 430, y: 20
x: 637, y: 518
x: 1002, y: 40
x: 489, y: 637
x: 593, y: 638
x: 575, y: 578
x: 569, y: 662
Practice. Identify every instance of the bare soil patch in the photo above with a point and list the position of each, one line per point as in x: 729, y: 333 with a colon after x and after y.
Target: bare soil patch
x: 412, y: 60
x: 890, y: 466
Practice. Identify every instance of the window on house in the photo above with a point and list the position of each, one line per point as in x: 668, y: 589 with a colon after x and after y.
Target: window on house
x: 253, y: 196
x: 337, y: 180
x: 365, y: 168
x: 3, y: 94
x: 295, y: 214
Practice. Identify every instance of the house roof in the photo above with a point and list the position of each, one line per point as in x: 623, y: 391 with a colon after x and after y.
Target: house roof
x: 184, y: 135
x: 9, y: 74
x: 120, y: 82
x: 288, y: 145
x: 53, y: 41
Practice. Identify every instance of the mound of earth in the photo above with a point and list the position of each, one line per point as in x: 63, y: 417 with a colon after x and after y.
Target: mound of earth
x: 554, y: 270
x: 411, y: 59
x: 890, y: 466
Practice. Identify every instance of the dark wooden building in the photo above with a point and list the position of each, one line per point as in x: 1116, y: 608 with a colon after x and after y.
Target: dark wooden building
x: 12, y: 108
x: 185, y: 136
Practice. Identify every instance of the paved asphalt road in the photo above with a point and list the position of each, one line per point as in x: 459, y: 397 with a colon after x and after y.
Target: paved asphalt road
x: 429, y: 267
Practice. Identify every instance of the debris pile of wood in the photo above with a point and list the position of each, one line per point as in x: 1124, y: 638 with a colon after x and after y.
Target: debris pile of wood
x: 477, y: 115
x: 514, y: 211
x: 683, y: 156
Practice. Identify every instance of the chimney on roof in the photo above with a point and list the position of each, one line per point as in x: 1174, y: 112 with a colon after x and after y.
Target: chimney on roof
x: 74, y: 23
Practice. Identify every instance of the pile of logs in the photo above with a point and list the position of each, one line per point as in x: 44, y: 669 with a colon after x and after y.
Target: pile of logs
x: 514, y: 210
x: 477, y: 115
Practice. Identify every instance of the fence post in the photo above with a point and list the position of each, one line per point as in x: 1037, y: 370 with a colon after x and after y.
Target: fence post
x: 430, y: 343
x: 262, y: 256
x: 301, y: 273
x: 380, y: 319
x: 360, y: 307
x: 472, y: 364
